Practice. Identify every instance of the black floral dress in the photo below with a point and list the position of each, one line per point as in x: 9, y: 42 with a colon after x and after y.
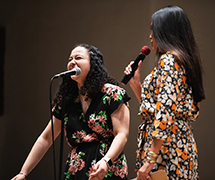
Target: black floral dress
x: 167, y: 109
x: 90, y: 135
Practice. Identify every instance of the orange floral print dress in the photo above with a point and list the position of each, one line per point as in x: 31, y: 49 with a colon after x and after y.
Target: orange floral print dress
x: 167, y: 109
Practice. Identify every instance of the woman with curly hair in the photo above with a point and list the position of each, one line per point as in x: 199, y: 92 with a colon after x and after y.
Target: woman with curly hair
x: 96, y: 121
x: 169, y: 99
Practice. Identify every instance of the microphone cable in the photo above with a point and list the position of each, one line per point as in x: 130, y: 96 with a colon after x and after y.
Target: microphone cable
x: 52, y: 125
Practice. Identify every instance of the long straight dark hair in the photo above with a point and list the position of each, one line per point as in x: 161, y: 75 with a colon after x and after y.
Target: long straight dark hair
x: 172, y: 31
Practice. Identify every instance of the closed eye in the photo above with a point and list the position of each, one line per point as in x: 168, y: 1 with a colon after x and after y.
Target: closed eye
x: 78, y: 57
x: 70, y: 59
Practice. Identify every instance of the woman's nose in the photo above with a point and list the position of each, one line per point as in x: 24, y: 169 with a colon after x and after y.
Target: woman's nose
x: 71, y: 64
x: 150, y: 36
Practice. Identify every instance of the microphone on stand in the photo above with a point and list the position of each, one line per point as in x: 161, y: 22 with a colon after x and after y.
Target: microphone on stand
x: 75, y: 71
x: 145, y: 50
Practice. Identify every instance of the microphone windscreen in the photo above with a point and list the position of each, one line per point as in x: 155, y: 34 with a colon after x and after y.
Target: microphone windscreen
x: 78, y: 71
x: 145, y: 50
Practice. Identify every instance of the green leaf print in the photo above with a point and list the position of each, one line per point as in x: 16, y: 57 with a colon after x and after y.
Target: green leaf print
x: 119, y: 97
x: 65, y: 121
x: 57, y: 111
x: 67, y: 175
x: 82, y: 153
x: 103, y: 125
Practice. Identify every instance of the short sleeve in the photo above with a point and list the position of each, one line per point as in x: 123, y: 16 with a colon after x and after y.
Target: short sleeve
x: 114, y: 96
x: 57, y: 112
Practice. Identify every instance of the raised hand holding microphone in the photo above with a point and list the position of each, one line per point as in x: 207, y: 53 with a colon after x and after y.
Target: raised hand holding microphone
x: 130, y: 70
x: 143, y: 53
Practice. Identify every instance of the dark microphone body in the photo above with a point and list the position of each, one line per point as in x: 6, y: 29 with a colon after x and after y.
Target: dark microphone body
x: 75, y: 71
x: 143, y: 53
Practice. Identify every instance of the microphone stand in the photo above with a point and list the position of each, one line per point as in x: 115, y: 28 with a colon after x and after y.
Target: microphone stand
x: 62, y: 131
x: 61, y: 137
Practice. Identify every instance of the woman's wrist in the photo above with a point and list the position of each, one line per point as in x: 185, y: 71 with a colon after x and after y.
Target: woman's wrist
x: 107, y: 161
x: 136, y: 88
x: 151, y: 157
x: 23, y: 174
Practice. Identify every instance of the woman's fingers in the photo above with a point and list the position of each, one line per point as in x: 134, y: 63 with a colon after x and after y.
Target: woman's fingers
x: 128, y: 69
x: 99, y: 171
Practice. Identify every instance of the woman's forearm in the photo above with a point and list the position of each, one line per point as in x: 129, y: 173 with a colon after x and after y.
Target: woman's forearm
x: 117, y: 146
x: 136, y: 87
x: 41, y: 146
x: 149, y: 164
x: 37, y: 152
x: 156, y: 145
x: 120, y: 120
x: 134, y: 82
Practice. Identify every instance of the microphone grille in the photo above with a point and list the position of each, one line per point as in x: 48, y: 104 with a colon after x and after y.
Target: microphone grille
x: 78, y: 71
x: 145, y: 50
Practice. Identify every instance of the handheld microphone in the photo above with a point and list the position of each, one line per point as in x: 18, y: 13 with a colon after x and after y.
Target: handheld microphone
x: 145, y: 50
x: 75, y: 71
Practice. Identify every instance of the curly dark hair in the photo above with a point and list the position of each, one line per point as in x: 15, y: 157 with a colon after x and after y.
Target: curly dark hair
x: 95, y: 80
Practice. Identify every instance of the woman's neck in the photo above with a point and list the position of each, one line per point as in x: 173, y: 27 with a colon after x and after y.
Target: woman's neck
x: 83, y: 97
x: 85, y: 102
x: 80, y: 85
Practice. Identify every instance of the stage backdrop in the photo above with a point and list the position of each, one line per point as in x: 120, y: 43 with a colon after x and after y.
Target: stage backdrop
x: 39, y: 36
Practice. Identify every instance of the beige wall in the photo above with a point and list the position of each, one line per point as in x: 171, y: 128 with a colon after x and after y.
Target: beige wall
x: 39, y: 37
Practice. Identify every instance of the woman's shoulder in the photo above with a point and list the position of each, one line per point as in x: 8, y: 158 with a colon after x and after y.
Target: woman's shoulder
x: 114, y: 95
x: 107, y: 88
x: 168, y: 62
x: 167, y: 57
